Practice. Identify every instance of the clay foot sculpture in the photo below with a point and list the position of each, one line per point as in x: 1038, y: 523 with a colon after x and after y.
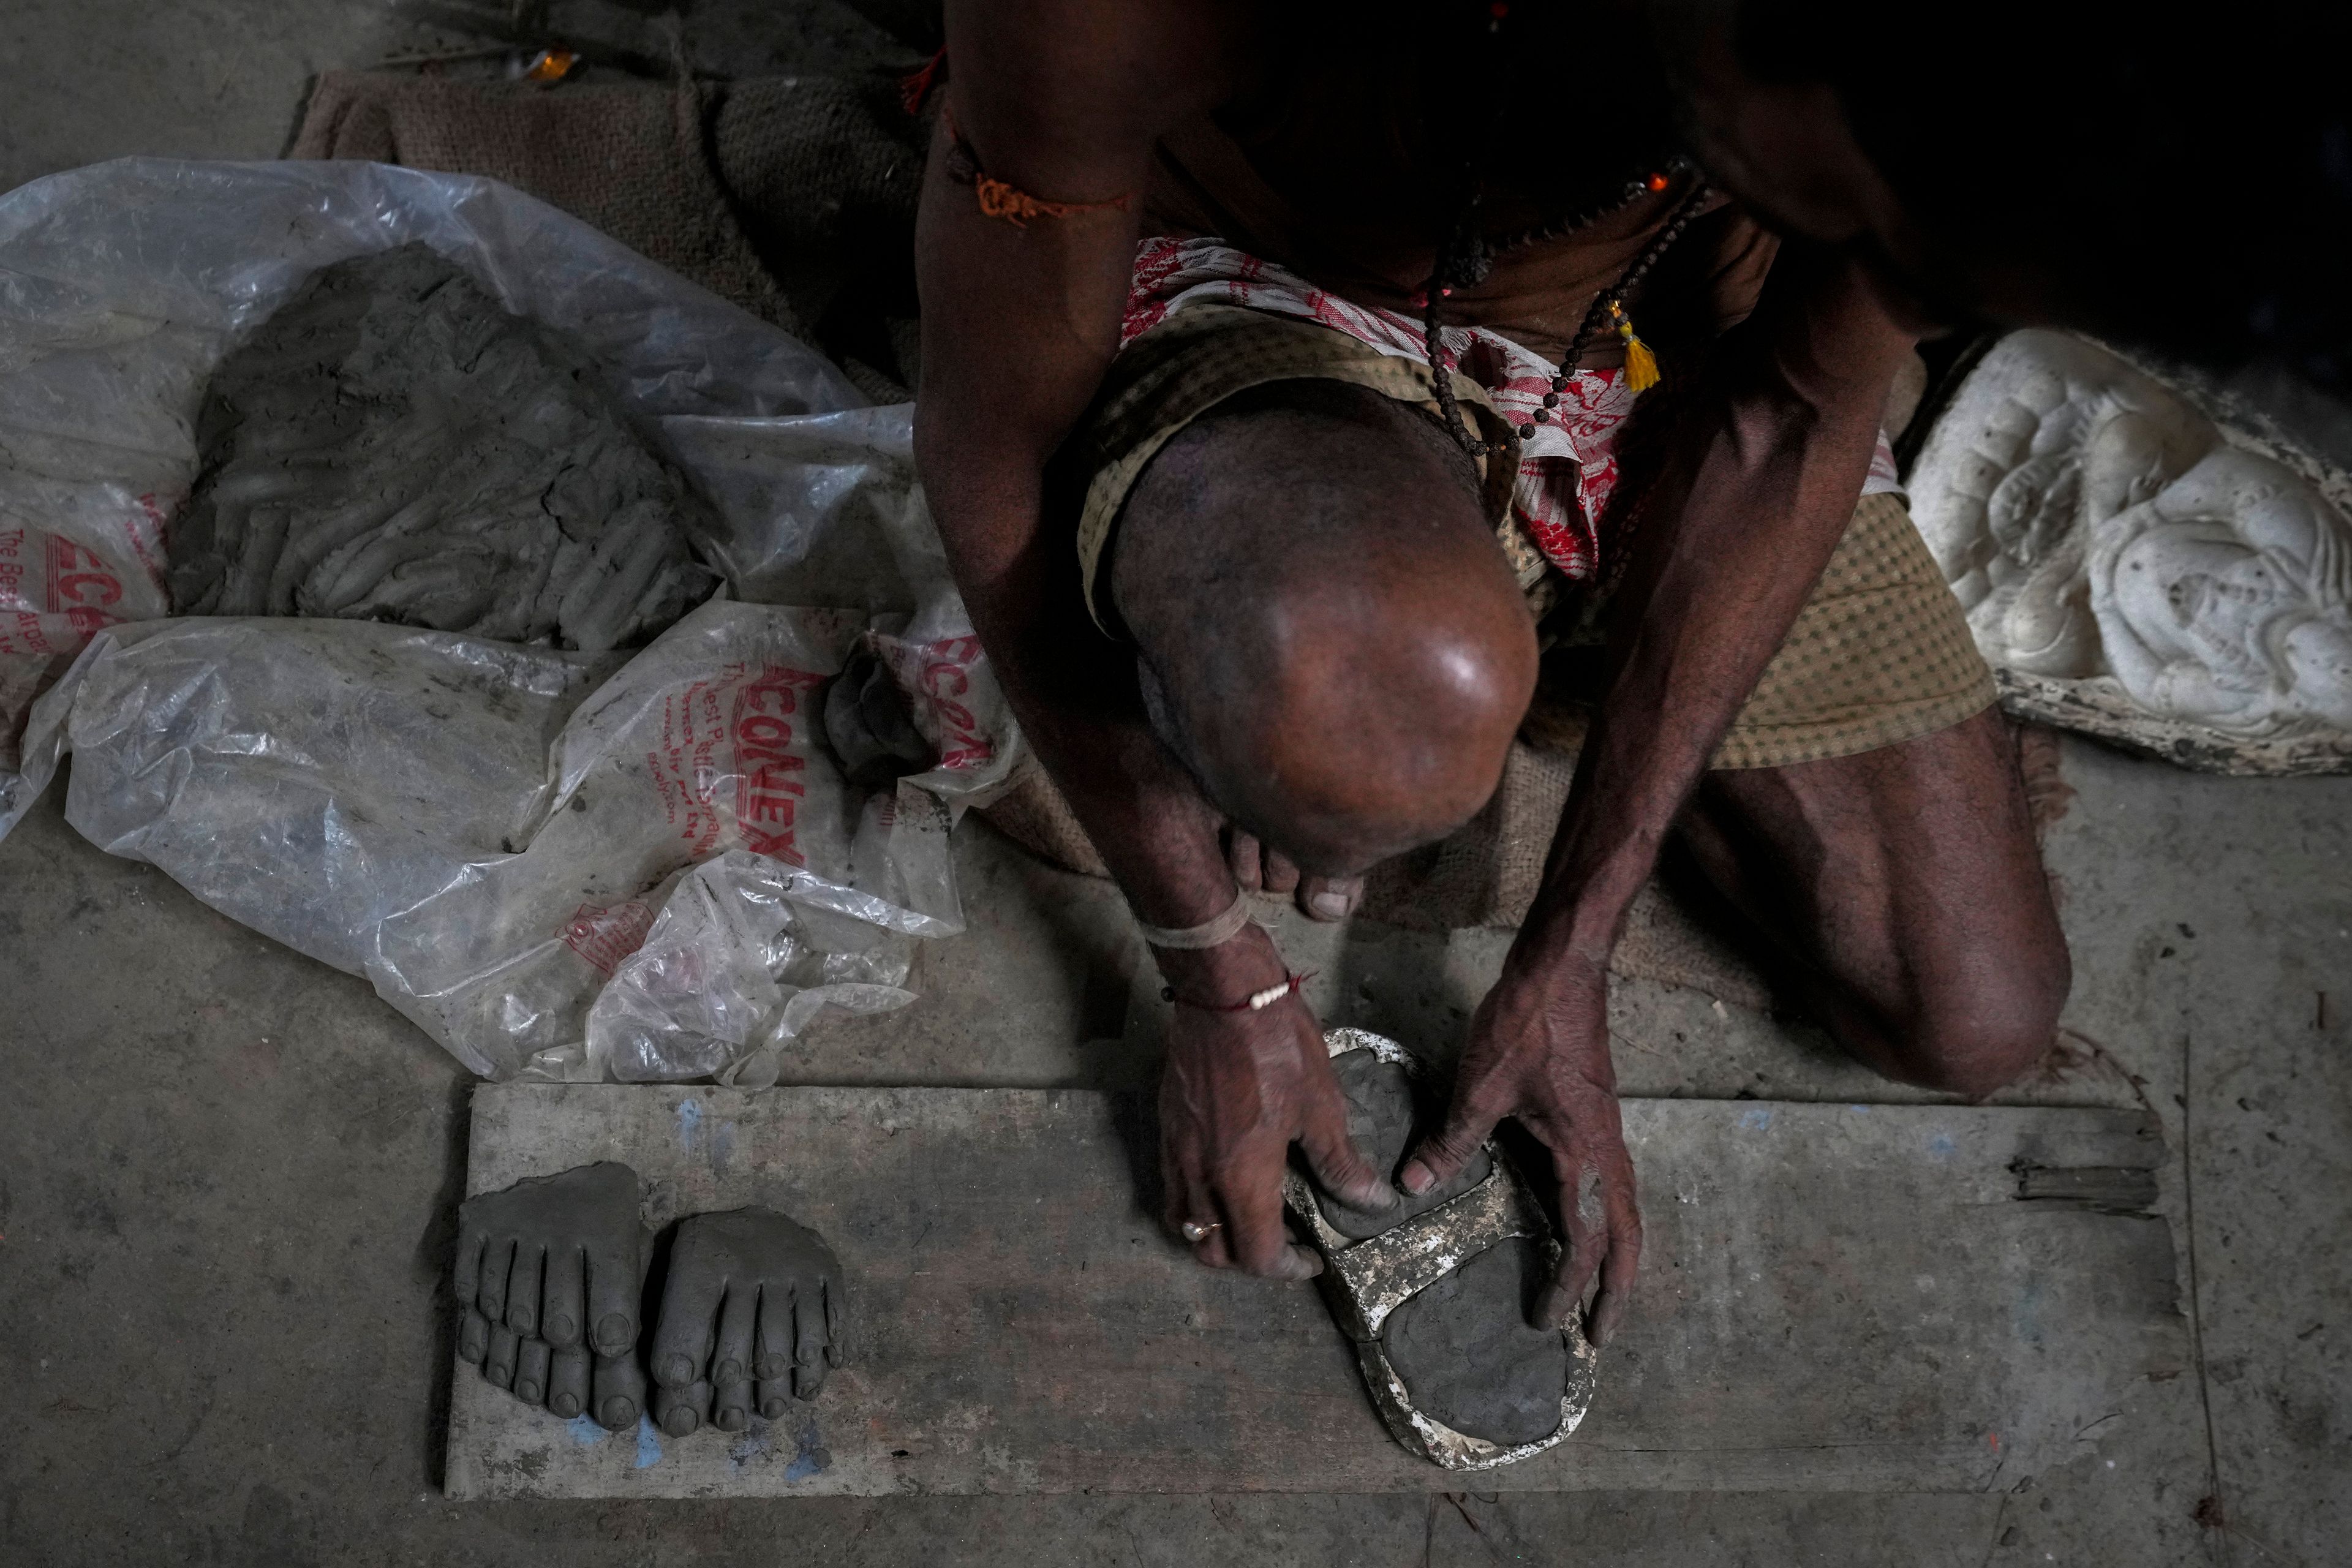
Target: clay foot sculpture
x: 1436, y: 1291
x: 750, y: 1319
x: 549, y: 1273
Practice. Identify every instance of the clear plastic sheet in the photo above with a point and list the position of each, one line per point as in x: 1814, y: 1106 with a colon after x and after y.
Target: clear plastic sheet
x: 562, y: 865
x: 734, y: 967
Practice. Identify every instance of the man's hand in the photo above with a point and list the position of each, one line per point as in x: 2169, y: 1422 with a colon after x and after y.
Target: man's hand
x: 1538, y: 1052
x: 1766, y: 461
x: 1238, y: 1089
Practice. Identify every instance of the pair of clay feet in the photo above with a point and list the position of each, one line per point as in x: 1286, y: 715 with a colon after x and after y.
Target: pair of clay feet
x: 550, y: 1275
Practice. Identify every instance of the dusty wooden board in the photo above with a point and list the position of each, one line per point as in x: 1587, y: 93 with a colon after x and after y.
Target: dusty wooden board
x: 1840, y: 1297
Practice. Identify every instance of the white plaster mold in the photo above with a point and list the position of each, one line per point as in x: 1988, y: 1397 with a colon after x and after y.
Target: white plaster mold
x: 2135, y: 568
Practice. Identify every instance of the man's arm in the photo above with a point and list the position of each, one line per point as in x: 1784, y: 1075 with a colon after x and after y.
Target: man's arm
x: 1767, y: 467
x: 1019, y: 324
x: 1065, y: 99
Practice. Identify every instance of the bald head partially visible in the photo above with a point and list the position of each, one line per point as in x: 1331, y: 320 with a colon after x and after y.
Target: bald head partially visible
x: 1329, y: 634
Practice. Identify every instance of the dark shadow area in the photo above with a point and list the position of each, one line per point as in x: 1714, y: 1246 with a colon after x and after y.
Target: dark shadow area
x: 1135, y: 1117
x: 1679, y: 876
x: 649, y: 1296
x: 435, y: 1259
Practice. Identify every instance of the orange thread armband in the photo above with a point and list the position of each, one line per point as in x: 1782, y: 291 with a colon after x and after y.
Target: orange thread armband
x: 1001, y: 198
x: 1017, y: 207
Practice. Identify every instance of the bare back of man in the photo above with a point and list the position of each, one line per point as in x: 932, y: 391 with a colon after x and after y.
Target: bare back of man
x: 1330, y: 651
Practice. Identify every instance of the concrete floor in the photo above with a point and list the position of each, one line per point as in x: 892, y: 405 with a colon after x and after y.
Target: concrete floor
x: 227, y: 1174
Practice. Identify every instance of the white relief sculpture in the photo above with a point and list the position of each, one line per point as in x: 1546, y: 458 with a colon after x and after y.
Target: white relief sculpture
x: 2133, y: 569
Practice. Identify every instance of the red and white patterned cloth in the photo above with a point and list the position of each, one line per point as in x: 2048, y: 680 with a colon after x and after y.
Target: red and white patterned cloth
x: 1567, y: 470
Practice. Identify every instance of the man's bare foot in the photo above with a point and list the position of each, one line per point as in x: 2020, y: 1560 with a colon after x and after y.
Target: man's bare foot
x: 751, y: 1297
x: 1259, y: 866
x: 549, y: 1271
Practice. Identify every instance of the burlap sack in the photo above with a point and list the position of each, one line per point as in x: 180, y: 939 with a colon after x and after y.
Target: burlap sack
x: 630, y: 159
x: 792, y: 196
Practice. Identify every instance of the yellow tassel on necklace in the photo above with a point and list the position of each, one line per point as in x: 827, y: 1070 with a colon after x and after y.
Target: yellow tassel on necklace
x: 1641, y: 364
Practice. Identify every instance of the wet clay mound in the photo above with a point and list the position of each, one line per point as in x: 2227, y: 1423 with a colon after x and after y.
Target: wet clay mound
x: 1464, y: 1349
x: 394, y: 445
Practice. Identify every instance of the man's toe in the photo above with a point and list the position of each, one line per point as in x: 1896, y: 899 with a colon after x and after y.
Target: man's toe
x: 1330, y: 898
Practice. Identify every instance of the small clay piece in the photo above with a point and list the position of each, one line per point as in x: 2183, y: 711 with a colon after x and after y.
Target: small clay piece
x: 750, y: 1319
x: 393, y: 443
x: 549, y: 1272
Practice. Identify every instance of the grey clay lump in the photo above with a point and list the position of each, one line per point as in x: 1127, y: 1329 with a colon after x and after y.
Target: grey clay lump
x: 548, y: 1278
x: 1464, y: 1348
x: 392, y: 443
x: 750, y: 1319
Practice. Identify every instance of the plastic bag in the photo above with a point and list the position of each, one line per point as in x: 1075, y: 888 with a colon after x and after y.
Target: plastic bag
x: 558, y: 864
x: 122, y: 285
x: 733, y: 968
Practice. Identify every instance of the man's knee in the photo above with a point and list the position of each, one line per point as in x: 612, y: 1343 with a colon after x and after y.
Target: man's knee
x: 1983, y: 1033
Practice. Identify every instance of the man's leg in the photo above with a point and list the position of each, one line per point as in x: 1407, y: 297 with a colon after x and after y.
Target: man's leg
x: 1328, y: 634
x: 1904, y: 890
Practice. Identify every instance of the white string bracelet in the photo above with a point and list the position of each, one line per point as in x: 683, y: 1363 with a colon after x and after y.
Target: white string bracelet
x: 1208, y: 933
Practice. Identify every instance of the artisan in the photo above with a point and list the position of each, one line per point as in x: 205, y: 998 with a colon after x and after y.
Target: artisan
x: 1301, y: 379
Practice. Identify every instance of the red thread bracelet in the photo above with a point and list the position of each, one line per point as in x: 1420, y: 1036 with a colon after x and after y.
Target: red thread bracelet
x: 1255, y: 1003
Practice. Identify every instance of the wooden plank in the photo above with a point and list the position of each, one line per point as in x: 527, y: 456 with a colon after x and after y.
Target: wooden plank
x: 1842, y: 1298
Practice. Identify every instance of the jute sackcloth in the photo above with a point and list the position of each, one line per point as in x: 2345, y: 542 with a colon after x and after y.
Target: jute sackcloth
x: 792, y: 196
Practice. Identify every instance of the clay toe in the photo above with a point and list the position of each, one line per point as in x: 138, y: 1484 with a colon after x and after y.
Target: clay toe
x: 498, y: 1360
x: 531, y: 1377
x: 618, y: 1392
x: 567, y: 1381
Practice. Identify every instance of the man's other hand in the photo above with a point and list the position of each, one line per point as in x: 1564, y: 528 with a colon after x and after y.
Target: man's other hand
x: 1538, y: 1052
